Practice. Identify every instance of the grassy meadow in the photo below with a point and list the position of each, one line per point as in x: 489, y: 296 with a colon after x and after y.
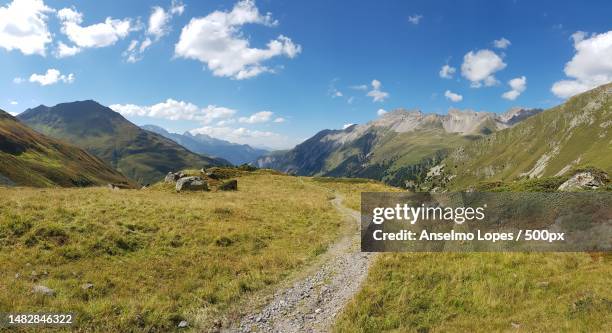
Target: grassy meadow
x: 155, y: 257
x: 483, y: 292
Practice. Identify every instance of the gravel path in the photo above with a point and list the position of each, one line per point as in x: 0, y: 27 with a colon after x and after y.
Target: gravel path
x: 312, y: 303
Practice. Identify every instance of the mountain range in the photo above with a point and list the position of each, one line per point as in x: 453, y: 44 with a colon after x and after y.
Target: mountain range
x: 398, y: 146
x: 207, y: 145
x: 28, y: 158
x: 141, y: 155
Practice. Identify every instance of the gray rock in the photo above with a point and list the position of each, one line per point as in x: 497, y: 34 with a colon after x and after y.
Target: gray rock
x: 191, y: 184
x: 581, y: 181
x: 183, y: 324
x: 172, y: 177
x: 230, y: 185
x: 44, y: 290
x: 86, y: 286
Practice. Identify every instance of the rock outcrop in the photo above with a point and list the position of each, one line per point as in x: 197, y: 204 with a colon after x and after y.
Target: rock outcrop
x: 583, y: 181
x: 191, y: 184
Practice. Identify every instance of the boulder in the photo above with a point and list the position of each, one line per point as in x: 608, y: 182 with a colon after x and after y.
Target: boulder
x: 582, y: 181
x: 172, y: 177
x: 44, y: 290
x: 230, y: 185
x: 191, y: 184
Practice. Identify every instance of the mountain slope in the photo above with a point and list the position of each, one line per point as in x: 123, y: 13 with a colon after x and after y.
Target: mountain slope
x: 141, y: 155
x: 575, y: 134
x: 397, y: 147
x: 28, y: 158
x: 204, y: 144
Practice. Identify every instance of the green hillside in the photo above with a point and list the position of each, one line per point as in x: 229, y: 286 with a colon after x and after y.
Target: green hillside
x: 575, y: 134
x: 28, y: 158
x: 141, y: 155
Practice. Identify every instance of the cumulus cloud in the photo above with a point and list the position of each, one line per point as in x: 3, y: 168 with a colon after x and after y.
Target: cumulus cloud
x: 380, y: 112
x: 23, y: 26
x: 176, y: 110
x: 245, y: 136
x: 14, y: 102
x: 279, y: 120
x: 590, y: 67
x: 64, y: 50
x: 501, y: 43
x: 217, y: 41
x: 376, y: 93
x: 158, y: 26
x: 415, y: 19
x: 97, y: 35
x: 18, y: 80
x: 259, y: 117
x: 446, y: 72
x: 517, y: 86
x: 453, y: 96
x: 52, y: 76
x: 480, y: 67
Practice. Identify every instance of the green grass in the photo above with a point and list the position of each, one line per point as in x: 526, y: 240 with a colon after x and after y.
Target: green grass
x: 28, y: 158
x: 492, y: 292
x: 156, y: 257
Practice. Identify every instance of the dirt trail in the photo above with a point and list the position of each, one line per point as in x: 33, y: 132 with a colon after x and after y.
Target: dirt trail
x: 312, y: 303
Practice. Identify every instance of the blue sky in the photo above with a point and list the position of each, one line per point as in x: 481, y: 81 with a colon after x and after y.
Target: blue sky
x: 272, y: 73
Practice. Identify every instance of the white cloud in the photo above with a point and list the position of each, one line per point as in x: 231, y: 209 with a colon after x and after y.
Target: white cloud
x: 158, y: 26
x: 52, y: 76
x: 23, y: 26
x: 14, y: 102
x: 453, y: 96
x: 377, y: 94
x: 176, y: 110
x: 345, y: 126
x: 259, y: 117
x: 446, y: 72
x: 363, y: 87
x: 177, y: 7
x: 590, y: 67
x: 158, y: 22
x: 380, y: 112
x: 64, y: 50
x: 481, y: 66
x: 279, y: 120
x: 415, y: 19
x: 217, y: 41
x: 501, y: 43
x: 97, y: 35
x: 19, y: 80
x: 517, y: 86
x: 245, y: 136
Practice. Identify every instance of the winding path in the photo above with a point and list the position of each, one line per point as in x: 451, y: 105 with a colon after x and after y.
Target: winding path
x: 312, y: 303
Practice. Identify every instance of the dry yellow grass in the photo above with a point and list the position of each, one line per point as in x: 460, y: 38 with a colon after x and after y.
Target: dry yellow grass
x: 156, y: 257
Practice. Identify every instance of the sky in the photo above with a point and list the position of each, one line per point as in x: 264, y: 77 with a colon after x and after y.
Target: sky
x: 272, y: 73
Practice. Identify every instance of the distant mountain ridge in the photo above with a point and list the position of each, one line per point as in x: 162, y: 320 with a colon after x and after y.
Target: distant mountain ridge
x: 204, y: 144
x: 28, y: 158
x: 139, y: 154
x: 397, y: 146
